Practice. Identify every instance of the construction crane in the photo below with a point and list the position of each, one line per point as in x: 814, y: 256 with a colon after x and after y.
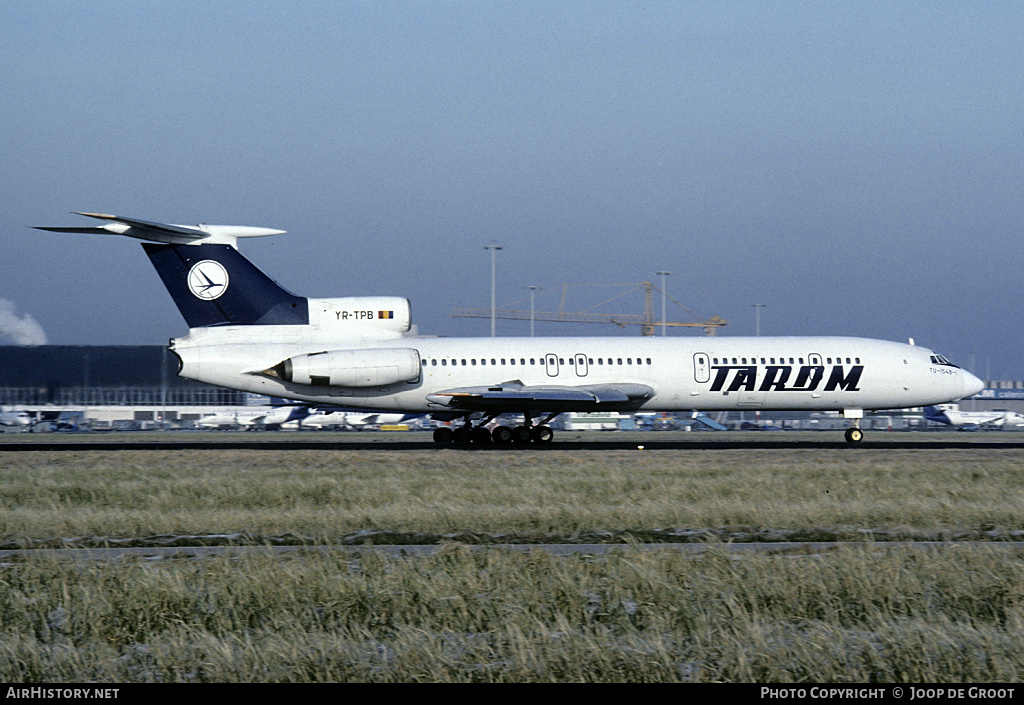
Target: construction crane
x: 645, y: 320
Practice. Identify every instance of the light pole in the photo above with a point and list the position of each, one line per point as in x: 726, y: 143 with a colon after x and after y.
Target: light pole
x: 533, y: 290
x: 757, y: 318
x: 492, y: 247
x: 663, y: 275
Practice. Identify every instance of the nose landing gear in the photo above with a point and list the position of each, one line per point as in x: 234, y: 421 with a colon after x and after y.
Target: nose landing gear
x: 854, y: 434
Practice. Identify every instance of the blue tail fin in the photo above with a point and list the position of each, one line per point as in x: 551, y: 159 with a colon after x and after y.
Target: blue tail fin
x: 214, y: 285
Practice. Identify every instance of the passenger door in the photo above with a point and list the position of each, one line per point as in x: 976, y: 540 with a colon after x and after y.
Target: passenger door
x: 581, y: 365
x: 551, y: 362
x: 701, y: 368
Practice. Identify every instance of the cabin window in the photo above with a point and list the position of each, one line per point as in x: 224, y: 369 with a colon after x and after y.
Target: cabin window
x: 473, y: 361
x: 857, y: 360
x: 444, y: 362
x: 503, y: 361
x: 522, y: 361
x: 648, y: 361
x: 533, y: 361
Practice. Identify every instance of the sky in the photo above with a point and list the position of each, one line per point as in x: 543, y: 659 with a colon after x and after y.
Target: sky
x: 856, y: 167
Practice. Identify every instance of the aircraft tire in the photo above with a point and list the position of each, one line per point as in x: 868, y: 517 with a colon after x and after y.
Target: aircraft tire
x: 502, y: 435
x: 521, y: 435
x: 481, y: 436
x: 462, y: 434
x: 854, y: 435
x: 542, y: 434
x: 443, y: 435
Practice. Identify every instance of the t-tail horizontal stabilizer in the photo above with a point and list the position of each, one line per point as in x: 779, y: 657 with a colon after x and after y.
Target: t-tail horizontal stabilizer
x: 167, y: 233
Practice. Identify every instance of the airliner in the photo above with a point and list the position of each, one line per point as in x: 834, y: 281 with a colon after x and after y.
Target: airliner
x: 950, y: 415
x: 17, y: 419
x: 353, y: 420
x: 248, y: 333
x: 255, y: 417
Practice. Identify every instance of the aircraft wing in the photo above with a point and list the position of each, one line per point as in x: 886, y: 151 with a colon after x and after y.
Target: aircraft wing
x: 514, y: 396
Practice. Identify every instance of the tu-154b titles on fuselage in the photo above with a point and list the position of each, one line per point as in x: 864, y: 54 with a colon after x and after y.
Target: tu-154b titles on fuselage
x: 248, y: 333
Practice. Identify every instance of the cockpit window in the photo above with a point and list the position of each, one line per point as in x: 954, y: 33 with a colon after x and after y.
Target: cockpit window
x: 941, y: 360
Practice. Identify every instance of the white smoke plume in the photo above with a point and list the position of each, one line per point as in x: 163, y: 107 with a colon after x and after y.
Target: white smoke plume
x: 22, y: 330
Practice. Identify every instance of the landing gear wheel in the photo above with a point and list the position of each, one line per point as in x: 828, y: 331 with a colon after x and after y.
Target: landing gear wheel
x: 854, y: 435
x: 502, y: 435
x: 463, y: 434
x: 443, y: 435
x: 481, y: 436
x: 521, y: 435
x: 542, y: 434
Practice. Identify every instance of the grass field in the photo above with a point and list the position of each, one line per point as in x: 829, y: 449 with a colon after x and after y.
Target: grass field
x: 859, y: 614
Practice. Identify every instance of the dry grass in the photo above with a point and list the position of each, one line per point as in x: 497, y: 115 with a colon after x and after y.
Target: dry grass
x: 326, y: 494
x: 855, y: 615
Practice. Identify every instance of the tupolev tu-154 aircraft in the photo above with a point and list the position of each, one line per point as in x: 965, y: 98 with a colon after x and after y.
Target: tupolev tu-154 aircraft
x: 248, y: 333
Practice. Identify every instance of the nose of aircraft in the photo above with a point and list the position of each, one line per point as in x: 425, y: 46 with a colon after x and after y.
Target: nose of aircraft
x: 972, y: 385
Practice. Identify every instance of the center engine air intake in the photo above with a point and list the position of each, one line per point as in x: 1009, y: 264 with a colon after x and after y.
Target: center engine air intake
x: 351, y: 368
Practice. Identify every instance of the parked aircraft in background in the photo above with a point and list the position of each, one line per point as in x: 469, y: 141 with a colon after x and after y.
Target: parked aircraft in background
x: 350, y: 420
x: 950, y: 415
x: 247, y: 333
x: 257, y: 417
x: 702, y: 419
x: 15, y: 419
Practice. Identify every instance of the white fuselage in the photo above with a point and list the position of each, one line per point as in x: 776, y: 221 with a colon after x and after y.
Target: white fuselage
x: 712, y: 373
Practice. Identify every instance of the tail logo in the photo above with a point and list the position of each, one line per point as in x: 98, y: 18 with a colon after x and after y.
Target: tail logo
x: 207, y: 280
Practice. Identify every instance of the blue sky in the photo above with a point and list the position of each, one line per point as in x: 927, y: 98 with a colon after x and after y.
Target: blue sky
x: 857, y: 167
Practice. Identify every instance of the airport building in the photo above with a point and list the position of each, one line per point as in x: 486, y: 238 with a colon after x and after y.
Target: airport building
x: 137, y: 386
x: 129, y: 386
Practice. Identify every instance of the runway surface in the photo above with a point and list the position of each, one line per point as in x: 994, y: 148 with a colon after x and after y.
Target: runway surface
x: 782, y: 441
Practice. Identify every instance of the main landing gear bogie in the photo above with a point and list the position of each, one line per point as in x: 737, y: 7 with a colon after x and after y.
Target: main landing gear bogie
x: 501, y: 435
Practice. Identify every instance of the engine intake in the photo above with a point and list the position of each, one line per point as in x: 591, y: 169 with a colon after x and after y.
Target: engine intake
x: 372, y: 367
